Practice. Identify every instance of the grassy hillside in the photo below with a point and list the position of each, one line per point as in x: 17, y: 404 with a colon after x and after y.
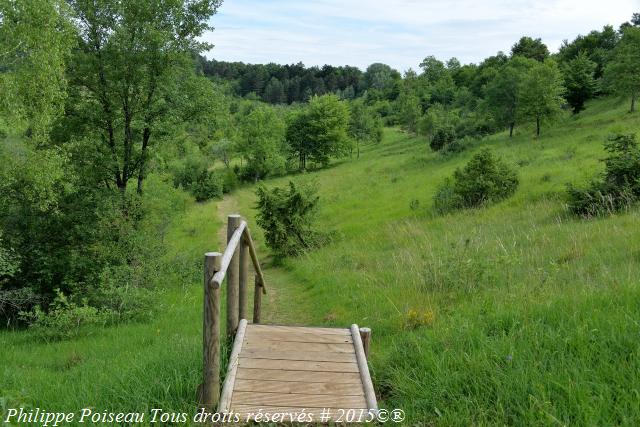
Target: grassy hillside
x: 529, y: 315
x: 513, y: 314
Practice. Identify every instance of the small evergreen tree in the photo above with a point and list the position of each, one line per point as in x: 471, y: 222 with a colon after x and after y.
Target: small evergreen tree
x: 579, y: 81
x: 286, y: 216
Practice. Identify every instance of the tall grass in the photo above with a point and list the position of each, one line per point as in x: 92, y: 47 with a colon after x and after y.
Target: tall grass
x: 533, y: 315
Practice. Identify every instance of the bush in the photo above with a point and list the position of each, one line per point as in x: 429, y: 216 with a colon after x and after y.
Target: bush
x: 207, y: 186
x: 485, y: 179
x: 442, y: 136
x: 619, y: 186
x: 230, y: 181
x: 286, y: 216
x: 193, y: 175
x: 64, y: 319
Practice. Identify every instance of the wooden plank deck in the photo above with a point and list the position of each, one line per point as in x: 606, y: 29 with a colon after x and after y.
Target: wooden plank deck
x: 285, y: 369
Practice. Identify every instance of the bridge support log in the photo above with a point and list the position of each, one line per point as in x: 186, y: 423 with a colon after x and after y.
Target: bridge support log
x: 210, y: 392
x: 257, y: 299
x: 243, y: 279
x: 233, y: 276
x: 365, y: 335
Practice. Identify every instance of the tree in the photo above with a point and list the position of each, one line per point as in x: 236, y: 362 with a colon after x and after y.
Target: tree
x: 286, y: 215
x: 503, y: 92
x: 579, y: 81
x: 364, y: 125
x: 432, y: 69
x: 409, y: 110
x: 541, y: 93
x: 623, y: 72
x: 127, y: 72
x: 319, y: 131
x: 36, y: 37
x: 530, y: 48
x: 260, y: 142
x: 274, y: 92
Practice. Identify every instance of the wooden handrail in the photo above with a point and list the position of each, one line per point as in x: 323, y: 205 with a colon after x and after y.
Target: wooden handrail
x: 218, y: 278
x: 233, y: 265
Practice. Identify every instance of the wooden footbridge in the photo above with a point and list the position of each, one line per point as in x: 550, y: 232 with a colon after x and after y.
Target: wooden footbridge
x: 294, y: 373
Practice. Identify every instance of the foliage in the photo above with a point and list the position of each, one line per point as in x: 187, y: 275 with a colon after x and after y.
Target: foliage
x: 36, y: 37
x: 503, y: 93
x: 418, y: 318
x: 485, y: 179
x: 530, y: 48
x: 579, y: 81
x: 132, y: 74
x: 619, y: 186
x: 597, y: 45
x: 288, y: 83
x: 261, y: 141
x: 623, y: 71
x: 286, y: 215
x: 365, y: 126
x: 65, y: 319
x: 443, y: 136
x: 319, y: 131
x: 541, y: 93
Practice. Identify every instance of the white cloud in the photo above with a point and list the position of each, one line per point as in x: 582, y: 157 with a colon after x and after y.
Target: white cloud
x: 398, y: 32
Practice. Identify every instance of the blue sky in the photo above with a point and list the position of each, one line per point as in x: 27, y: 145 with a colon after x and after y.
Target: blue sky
x: 398, y: 32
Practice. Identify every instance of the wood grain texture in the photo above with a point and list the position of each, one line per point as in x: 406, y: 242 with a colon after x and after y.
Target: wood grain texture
x: 232, y: 369
x: 258, y: 345
x: 210, y: 390
x: 253, y: 334
x: 298, y: 376
x: 233, y: 235
x: 300, y: 354
x: 301, y: 329
x: 363, y: 368
x: 300, y: 387
x: 243, y: 279
x: 298, y: 400
x: 298, y: 365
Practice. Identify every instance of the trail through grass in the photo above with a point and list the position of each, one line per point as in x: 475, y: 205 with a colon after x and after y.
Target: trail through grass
x: 513, y: 314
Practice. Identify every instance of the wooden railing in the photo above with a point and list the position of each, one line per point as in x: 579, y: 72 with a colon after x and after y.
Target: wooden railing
x: 234, y: 265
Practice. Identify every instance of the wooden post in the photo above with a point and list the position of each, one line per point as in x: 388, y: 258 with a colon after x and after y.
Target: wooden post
x: 243, y: 278
x: 233, y: 222
x: 211, y: 333
x: 365, y: 334
x: 257, y: 300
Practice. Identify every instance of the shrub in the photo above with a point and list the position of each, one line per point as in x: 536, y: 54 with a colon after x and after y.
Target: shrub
x: 64, y: 319
x: 485, y: 179
x: 207, y: 186
x: 230, y: 181
x: 442, y: 136
x: 619, y: 186
x: 286, y: 216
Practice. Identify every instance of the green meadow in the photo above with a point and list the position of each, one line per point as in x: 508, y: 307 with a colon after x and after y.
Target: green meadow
x: 517, y: 313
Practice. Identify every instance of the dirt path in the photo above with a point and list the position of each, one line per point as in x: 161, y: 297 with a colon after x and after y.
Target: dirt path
x: 282, y: 303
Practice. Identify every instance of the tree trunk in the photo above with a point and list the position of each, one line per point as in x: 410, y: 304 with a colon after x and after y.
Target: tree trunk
x: 143, y: 157
x: 358, y: 156
x: 633, y: 102
x: 511, y: 125
x: 537, y: 126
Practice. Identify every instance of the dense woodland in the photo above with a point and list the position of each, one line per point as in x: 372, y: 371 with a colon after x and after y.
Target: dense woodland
x: 105, y: 107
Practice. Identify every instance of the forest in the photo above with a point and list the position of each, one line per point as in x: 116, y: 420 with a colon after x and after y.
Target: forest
x: 121, y: 134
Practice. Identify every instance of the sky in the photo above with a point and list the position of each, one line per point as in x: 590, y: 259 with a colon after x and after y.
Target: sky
x: 398, y: 32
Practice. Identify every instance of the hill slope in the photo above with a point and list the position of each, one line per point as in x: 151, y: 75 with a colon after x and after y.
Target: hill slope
x: 513, y: 313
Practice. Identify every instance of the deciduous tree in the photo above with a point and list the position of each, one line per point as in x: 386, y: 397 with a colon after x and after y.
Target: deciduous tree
x: 623, y: 72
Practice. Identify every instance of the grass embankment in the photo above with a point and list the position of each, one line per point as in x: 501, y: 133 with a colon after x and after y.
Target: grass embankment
x: 529, y: 315
x: 512, y: 314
